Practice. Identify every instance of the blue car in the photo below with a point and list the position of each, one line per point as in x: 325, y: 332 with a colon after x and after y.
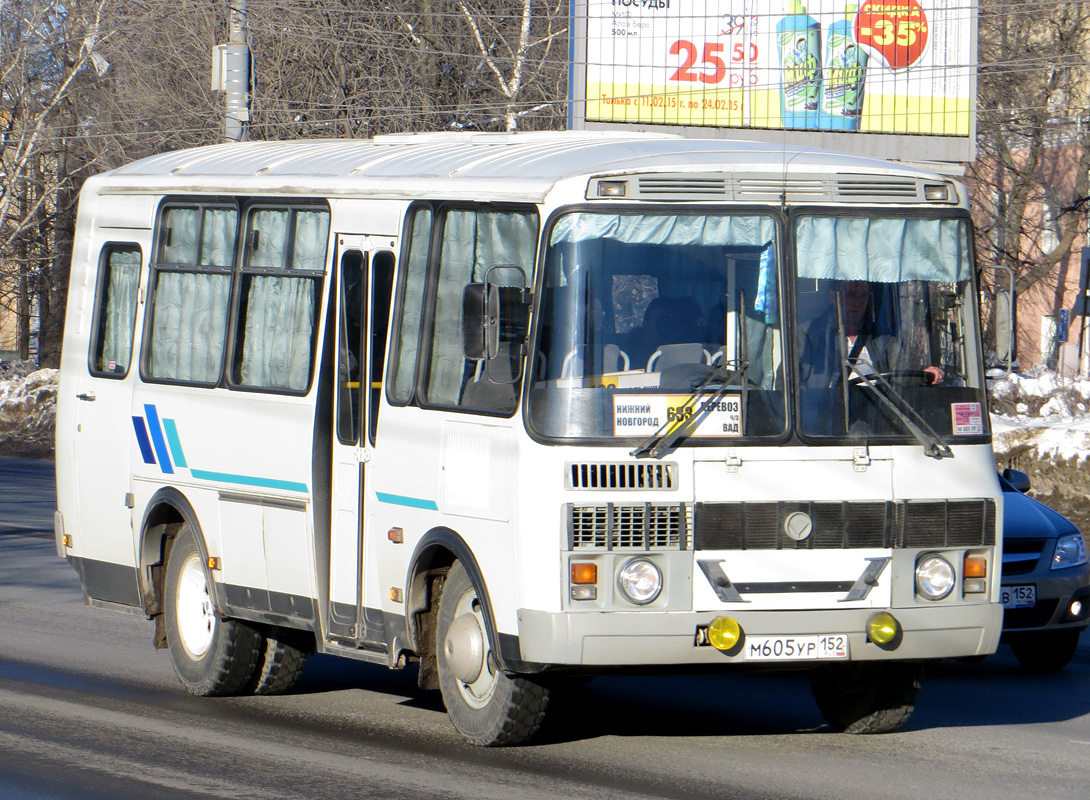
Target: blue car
x: 1045, y: 587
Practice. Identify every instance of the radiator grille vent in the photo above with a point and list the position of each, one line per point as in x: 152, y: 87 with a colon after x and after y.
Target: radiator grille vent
x: 625, y: 475
x: 644, y: 526
x: 913, y: 523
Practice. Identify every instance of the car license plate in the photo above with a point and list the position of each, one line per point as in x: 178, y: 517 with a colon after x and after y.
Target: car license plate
x: 796, y: 648
x: 1024, y: 596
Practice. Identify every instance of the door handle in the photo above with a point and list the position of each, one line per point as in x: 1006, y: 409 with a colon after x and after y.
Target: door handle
x: 88, y: 396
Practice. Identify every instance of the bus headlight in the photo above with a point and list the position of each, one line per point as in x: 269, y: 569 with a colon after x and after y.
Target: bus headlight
x: 640, y: 581
x: 934, y: 577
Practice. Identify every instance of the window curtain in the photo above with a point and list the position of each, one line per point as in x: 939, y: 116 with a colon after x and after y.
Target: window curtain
x: 882, y: 250
x: 672, y: 229
x: 267, y: 249
x: 119, y: 313
x: 179, y: 244
x: 408, y: 331
x: 218, y: 237
x: 278, y: 333
x: 473, y: 241
x: 189, y: 324
x: 311, y: 237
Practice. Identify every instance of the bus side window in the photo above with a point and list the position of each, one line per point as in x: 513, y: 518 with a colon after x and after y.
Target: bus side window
x: 190, y: 296
x: 382, y: 283
x: 410, y: 302
x: 278, y: 303
x: 350, y: 342
x: 474, y: 240
x: 115, y: 310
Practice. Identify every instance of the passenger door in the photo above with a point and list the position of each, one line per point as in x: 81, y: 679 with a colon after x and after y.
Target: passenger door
x: 364, y: 281
x: 103, y: 428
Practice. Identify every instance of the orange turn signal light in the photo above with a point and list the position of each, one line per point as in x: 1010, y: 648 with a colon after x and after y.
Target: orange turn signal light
x: 584, y: 573
x: 976, y: 567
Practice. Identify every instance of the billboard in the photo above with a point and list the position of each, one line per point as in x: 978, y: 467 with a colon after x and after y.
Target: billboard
x: 865, y: 75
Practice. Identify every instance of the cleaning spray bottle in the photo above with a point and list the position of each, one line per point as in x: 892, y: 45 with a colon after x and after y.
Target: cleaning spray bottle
x: 844, y: 73
x: 798, y: 36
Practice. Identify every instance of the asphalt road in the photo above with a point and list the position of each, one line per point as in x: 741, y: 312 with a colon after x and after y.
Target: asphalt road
x: 89, y: 710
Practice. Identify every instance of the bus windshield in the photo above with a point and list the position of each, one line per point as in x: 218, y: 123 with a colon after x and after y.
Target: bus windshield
x: 639, y: 309
x: 650, y: 319
x: 886, y: 329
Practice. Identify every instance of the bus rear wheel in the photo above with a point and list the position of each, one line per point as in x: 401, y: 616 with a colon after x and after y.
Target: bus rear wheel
x: 876, y: 697
x: 281, y: 663
x: 212, y: 656
x: 488, y: 707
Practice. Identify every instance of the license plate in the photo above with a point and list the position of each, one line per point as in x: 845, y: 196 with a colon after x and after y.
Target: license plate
x: 1024, y: 596
x: 796, y: 648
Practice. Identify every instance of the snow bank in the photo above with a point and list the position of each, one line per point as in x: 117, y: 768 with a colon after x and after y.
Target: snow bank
x: 1041, y: 413
x: 28, y: 400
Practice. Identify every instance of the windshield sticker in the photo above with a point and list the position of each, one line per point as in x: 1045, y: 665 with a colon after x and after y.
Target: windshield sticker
x: 644, y: 414
x: 968, y: 418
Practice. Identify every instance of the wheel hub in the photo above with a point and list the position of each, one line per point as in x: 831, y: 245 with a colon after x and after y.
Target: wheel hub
x: 196, y: 615
x: 465, y: 648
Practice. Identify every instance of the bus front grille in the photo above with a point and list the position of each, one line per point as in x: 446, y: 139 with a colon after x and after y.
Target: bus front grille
x: 903, y: 524
x: 634, y: 475
x: 644, y: 526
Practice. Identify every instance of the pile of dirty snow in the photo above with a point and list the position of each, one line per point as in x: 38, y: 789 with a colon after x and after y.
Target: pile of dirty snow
x: 28, y: 399
x: 1041, y: 425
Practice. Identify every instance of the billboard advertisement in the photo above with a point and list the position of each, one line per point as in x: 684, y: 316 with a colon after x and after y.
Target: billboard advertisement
x: 902, y: 67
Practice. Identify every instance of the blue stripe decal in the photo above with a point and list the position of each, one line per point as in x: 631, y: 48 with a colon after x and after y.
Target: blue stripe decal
x: 247, y: 480
x: 142, y: 440
x: 410, y: 502
x: 156, y: 431
x: 175, y: 442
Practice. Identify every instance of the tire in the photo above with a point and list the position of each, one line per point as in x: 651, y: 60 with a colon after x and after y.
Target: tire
x: 491, y: 709
x: 281, y: 664
x: 876, y: 697
x: 1045, y: 652
x: 212, y: 656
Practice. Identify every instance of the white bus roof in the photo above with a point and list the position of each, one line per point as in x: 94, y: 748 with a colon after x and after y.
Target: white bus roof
x: 487, y: 166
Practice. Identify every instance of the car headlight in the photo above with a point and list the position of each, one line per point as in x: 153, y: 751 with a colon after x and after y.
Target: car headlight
x: 1070, y: 551
x: 934, y: 577
x: 640, y: 581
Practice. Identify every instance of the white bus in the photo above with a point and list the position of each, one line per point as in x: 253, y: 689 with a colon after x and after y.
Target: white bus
x: 515, y: 408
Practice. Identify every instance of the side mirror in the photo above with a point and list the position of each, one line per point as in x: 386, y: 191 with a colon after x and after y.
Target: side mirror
x: 1006, y: 342
x: 1018, y: 479
x: 480, y: 321
x: 493, y: 314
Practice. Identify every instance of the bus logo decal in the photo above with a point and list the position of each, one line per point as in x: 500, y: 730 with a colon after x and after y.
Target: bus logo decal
x: 156, y: 446
x: 160, y: 444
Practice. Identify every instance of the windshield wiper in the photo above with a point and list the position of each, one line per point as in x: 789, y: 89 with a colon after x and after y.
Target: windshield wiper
x: 663, y: 441
x: 933, y: 446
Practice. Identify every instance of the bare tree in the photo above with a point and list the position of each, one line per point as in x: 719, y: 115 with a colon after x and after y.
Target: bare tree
x: 1032, y: 175
x: 49, y: 51
x: 519, y: 56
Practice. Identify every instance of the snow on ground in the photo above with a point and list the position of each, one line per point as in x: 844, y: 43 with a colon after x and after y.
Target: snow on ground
x: 1042, y: 413
x: 28, y: 398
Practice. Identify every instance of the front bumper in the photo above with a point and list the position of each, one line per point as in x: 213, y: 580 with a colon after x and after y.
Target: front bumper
x: 669, y: 639
x: 1056, y: 590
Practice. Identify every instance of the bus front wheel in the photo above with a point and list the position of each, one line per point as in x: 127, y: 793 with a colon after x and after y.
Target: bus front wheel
x: 875, y: 697
x: 212, y: 656
x: 488, y: 707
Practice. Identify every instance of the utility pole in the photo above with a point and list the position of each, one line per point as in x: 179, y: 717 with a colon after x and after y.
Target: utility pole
x: 231, y: 74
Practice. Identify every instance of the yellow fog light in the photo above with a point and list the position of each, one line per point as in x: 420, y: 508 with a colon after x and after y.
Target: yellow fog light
x: 725, y: 634
x: 885, y: 631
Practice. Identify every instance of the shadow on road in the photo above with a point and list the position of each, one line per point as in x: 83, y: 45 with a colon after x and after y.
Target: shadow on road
x: 994, y: 692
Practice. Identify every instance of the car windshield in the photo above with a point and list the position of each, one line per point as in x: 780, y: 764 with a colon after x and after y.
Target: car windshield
x: 639, y: 310
x: 886, y: 329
